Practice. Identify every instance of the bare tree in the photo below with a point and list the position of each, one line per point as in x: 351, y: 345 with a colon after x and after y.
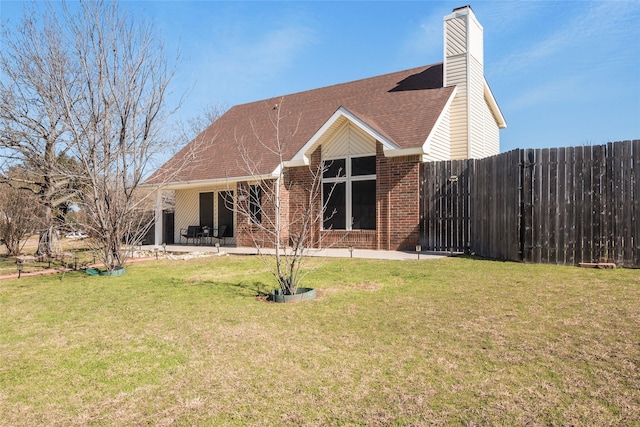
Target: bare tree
x: 192, y: 131
x: 85, y: 81
x: 18, y: 218
x: 35, y: 64
x: 200, y: 122
x: 281, y: 213
x: 116, y: 125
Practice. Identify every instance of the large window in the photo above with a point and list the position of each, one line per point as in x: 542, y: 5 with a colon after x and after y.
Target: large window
x: 349, y: 193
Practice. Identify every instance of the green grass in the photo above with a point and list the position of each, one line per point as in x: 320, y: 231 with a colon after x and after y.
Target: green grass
x: 455, y: 341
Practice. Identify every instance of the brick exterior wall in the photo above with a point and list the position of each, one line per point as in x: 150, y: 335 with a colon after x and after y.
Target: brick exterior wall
x: 299, y: 182
x: 397, y: 204
x: 248, y: 234
x: 398, y: 194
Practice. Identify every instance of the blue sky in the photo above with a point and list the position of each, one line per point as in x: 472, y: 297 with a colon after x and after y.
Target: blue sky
x: 563, y: 73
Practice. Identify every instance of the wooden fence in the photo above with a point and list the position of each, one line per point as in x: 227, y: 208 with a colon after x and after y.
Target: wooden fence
x: 559, y: 205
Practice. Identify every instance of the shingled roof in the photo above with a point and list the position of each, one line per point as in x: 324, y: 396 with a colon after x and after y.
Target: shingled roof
x: 401, y: 107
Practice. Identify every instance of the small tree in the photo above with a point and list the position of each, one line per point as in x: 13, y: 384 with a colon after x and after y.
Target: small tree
x: 18, y: 218
x: 269, y: 215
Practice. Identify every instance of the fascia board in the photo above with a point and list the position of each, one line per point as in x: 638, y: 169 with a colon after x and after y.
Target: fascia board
x: 493, y: 105
x: 398, y: 152
x: 426, y: 147
x: 301, y: 158
x: 185, y: 185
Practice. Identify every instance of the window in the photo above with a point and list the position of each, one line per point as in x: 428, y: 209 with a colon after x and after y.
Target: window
x: 349, y: 192
x: 255, y: 204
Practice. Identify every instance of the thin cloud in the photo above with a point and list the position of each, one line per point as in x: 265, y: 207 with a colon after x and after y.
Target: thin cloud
x: 276, y: 50
x: 423, y: 43
x: 592, y: 22
x: 250, y: 61
x: 547, y: 93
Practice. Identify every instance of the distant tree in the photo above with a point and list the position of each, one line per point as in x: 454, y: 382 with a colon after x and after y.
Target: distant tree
x: 200, y: 122
x: 35, y: 64
x: 18, y: 217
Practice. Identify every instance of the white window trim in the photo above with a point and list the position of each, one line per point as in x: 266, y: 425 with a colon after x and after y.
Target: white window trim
x: 347, y: 179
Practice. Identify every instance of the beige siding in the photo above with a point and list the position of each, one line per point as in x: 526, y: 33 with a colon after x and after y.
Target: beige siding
x: 455, y: 42
x: 491, y: 133
x: 348, y: 140
x: 459, y: 130
x: 476, y: 110
x: 475, y: 40
x: 439, y: 148
x: 187, y: 210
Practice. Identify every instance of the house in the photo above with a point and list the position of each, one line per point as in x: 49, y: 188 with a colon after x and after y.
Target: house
x: 376, y: 132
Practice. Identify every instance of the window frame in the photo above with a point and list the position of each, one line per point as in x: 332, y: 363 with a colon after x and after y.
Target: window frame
x: 348, y: 179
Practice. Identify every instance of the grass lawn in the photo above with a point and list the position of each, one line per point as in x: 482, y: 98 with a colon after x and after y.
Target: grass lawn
x: 454, y: 341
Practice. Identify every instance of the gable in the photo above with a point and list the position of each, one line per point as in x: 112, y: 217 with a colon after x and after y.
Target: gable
x: 348, y: 140
x: 366, y: 131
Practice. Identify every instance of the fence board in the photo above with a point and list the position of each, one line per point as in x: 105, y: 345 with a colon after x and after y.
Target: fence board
x: 561, y: 207
x: 552, y: 222
x: 571, y: 224
x: 607, y: 226
x: 527, y: 205
x: 628, y: 227
x: 635, y: 219
x: 545, y: 208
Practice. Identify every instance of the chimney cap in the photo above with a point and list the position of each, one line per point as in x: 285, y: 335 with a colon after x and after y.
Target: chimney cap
x: 462, y: 7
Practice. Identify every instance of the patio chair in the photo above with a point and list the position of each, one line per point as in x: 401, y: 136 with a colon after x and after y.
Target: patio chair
x: 191, y: 232
x: 205, y: 235
x: 220, y: 234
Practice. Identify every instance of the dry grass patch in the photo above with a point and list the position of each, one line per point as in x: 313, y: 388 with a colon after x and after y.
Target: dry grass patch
x: 370, y: 286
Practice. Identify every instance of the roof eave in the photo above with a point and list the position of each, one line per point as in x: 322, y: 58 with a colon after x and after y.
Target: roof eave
x: 185, y: 185
x: 413, y: 151
x: 493, y: 105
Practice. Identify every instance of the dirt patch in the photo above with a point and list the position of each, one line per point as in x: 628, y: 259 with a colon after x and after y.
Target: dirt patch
x: 365, y: 286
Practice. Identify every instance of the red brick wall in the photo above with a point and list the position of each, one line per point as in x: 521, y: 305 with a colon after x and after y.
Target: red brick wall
x: 398, y: 188
x: 299, y: 182
x: 262, y: 234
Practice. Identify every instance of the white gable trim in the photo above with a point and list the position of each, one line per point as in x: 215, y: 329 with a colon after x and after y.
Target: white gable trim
x: 301, y: 158
x: 226, y: 182
x: 493, y: 105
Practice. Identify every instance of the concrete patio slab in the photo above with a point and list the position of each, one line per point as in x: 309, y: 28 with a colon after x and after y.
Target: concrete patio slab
x: 329, y: 253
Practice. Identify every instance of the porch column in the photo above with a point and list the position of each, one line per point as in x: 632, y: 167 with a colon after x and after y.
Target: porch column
x: 158, y: 218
